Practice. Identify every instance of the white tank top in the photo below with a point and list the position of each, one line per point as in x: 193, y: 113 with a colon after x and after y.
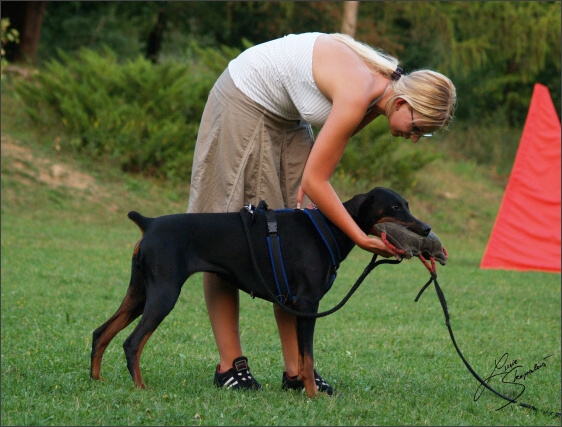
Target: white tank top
x: 278, y: 76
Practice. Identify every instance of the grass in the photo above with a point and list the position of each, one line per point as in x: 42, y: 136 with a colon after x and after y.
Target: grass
x: 66, y: 251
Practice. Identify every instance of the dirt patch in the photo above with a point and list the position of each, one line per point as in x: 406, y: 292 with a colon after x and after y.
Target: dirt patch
x: 53, y: 174
x: 29, y: 169
x: 32, y: 168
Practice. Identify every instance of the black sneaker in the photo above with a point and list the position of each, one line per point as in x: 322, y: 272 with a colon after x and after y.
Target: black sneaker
x: 238, y: 377
x: 296, y: 384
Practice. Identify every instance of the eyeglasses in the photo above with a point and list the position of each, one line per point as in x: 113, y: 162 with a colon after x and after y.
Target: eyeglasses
x: 417, y: 131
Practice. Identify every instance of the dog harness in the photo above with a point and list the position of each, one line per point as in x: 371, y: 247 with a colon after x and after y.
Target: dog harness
x: 274, y: 245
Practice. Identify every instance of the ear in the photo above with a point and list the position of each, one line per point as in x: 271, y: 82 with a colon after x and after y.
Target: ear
x: 353, y: 205
x: 398, y: 103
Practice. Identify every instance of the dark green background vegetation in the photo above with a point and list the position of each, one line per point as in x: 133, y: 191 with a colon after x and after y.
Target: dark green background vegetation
x: 110, y: 98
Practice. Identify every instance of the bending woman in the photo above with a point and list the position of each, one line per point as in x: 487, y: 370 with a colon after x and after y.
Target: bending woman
x: 255, y: 142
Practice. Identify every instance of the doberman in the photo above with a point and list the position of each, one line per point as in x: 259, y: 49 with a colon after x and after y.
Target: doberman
x: 173, y: 247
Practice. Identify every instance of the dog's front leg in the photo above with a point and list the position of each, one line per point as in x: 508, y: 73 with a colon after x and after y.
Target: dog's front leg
x: 305, y: 333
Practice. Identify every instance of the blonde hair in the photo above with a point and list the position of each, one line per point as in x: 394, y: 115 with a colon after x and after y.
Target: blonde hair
x: 431, y: 94
x: 376, y: 59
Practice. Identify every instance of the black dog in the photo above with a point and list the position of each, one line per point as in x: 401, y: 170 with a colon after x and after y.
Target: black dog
x: 173, y: 247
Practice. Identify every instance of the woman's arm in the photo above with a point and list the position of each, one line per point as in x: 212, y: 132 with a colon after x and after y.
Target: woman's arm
x: 323, y: 160
x: 351, y: 86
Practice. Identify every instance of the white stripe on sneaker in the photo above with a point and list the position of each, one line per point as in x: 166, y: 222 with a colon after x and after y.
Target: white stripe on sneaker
x: 229, y: 381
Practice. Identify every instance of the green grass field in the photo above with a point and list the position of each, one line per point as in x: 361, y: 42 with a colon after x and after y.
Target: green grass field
x: 66, y: 248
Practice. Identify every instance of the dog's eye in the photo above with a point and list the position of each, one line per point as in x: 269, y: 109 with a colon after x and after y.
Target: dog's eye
x: 396, y: 207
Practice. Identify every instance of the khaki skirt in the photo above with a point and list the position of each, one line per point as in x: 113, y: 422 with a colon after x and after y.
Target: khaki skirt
x: 245, y: 154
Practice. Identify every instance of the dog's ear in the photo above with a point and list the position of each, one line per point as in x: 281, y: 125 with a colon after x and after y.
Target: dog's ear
x: 354, y: 204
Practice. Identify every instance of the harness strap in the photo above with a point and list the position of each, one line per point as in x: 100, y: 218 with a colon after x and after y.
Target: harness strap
x: 325, y: 232
x: 276, y: 257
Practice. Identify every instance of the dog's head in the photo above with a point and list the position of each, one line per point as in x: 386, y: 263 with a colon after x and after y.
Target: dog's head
x: 383, y: 205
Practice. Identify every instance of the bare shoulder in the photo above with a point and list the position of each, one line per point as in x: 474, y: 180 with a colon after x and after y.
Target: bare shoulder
x: 338, y: 71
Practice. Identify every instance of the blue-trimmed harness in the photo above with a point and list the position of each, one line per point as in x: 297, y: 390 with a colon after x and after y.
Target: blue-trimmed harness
x: 274, y: 246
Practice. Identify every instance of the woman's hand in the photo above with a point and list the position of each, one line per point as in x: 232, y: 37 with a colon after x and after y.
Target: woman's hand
x: 300, y: 196
x: 376, y: 245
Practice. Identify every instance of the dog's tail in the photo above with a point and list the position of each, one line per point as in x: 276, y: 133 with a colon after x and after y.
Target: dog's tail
x: 143, y: 223
x: 140, y: 220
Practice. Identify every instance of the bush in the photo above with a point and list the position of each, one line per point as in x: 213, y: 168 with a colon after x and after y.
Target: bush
x: 145, y: 117
x: 9, y: 35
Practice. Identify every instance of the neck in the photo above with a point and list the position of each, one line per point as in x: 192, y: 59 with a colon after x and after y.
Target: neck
x: 382, y: 100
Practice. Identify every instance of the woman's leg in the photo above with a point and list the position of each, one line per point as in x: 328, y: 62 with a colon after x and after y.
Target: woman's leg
x: 223, y: 306
x: 295, y: 149
x: 287, y: 326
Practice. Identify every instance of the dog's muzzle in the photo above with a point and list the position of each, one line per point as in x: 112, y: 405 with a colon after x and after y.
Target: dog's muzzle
x: 408, y: 244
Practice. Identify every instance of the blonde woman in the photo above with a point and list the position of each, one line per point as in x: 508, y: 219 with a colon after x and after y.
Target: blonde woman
x: 255, y: 142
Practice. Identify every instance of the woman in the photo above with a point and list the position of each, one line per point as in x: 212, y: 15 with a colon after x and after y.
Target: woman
x: 255, y: 142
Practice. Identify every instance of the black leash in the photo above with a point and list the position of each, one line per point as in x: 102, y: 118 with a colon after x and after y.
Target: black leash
x: 370, y: 267
x: 443, y: 302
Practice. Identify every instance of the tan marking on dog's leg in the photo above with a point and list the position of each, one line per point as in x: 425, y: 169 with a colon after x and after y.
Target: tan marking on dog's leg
x: 306, y: 373
x: 126, y: 313
x: 136, y: 363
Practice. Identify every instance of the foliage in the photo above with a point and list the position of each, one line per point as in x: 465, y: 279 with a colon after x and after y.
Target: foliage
x: 73, y: 25
x: 478, y: 44
x: 371, y: 157
x: 493, y: 51
x: 145, y: 117
x: 140, y: 115
x: 216, y: 59
x: 9, y: 35
x: 229, y: 23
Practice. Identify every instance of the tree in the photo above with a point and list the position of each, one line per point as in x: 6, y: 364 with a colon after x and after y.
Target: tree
x: 493, y: 51
x: 349, y: 24
x: 27, y: 18
x: 154, y: 42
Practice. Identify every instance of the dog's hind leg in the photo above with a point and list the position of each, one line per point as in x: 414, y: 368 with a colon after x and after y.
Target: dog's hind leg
x: 131, y: 308
x: 305, y: 333
x: 160, y: 301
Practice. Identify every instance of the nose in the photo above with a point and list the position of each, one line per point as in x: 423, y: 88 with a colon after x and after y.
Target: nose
x: 426, y: 229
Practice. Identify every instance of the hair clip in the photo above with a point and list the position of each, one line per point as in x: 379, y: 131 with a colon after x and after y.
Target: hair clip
x: 396, y: 74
